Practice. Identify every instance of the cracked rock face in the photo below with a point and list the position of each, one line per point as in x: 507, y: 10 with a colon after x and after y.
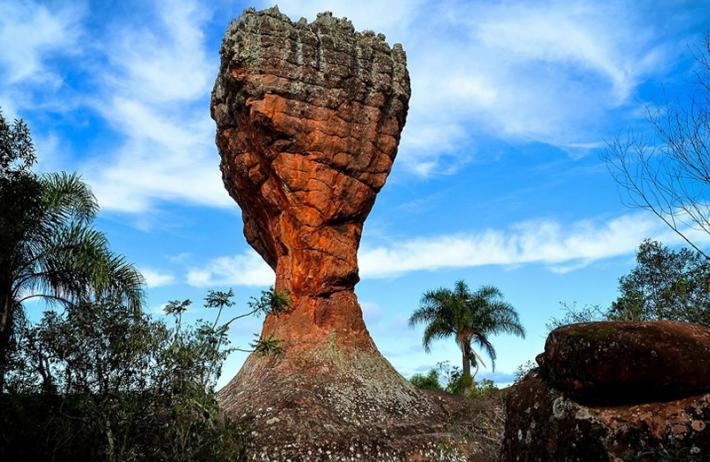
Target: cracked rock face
x: 614, y: 391
x: 309, y: 117
x: 308, y: 122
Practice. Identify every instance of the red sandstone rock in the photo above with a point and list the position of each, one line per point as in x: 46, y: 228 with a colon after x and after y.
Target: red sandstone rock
x: 607, y: 362
x: 543, y: 425
x: 611, y: 391
x: 308, y: 121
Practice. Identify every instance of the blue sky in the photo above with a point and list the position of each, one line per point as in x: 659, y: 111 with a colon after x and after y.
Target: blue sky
x: 498, y: 180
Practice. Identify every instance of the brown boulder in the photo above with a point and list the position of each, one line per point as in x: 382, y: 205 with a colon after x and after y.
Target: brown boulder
x: 625, y: 362
x: 544, y: 425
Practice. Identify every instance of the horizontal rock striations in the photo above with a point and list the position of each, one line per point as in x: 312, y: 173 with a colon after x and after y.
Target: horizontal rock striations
x: 308, y: 121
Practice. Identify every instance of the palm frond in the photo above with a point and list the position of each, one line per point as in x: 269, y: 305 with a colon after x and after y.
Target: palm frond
x: 487, y: 346
x: 436, y: 329
x: 67, y: 198
x: 75, y: 263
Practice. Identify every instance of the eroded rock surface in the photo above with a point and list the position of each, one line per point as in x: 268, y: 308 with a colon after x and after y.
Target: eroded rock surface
x: 614, y: 391
x: 309, y: 117
x: 606, y: 362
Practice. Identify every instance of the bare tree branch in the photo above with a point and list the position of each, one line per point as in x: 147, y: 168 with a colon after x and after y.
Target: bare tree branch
x: 670, y: 176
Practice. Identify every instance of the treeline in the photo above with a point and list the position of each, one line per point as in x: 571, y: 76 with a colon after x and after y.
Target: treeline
x: 96, y: 378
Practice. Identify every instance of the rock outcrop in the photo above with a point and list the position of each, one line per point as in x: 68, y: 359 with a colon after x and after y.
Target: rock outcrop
x: 309, y: 117
x: 627, y: 362
x: 614, y: 391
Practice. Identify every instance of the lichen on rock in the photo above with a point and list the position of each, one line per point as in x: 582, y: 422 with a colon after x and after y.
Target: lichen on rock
x: 614, y: 391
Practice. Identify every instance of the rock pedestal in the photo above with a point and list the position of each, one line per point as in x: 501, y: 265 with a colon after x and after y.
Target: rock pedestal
x: 309, y: 117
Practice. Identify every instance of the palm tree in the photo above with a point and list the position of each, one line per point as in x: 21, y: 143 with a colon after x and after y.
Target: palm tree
x: 56, y: 255
x: 470, y: 317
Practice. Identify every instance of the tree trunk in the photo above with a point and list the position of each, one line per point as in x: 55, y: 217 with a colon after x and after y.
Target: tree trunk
x: 466, y: 364
x: 467, y: 379
x: 6, y: 319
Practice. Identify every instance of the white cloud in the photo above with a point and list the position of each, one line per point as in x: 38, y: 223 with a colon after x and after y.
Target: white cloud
x: 559, y: 248
x: 247, y: 269
x: 155, y: 278
x: 156, y: 95
x: 29, y: 33
x: 516, y: 70
x: 541, y: 242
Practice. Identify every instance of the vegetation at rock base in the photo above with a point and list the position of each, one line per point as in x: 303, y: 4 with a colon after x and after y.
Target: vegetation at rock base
x: 450, y: 379
x: 665, y: 284
x: 48, y: 246
x: 96, y: 378
x: 428, y: 381
x: 470, y: 317
x: 98, y: 381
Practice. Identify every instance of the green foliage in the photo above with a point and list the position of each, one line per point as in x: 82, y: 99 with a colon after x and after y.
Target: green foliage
x: 483, y: 389
x: 117, y: 385
x: 48, y: 248
x: 523, y: 370
x: 430, y: 381
x: 271, y: 301
x: 455, y: 382
x: 665, y: 284
x: 469, y: 317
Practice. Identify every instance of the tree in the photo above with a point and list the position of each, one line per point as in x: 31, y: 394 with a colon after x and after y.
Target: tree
x: 123, y: 386
x: 20, y: 194
x: 665, y: 284
x: 470, y: 317
x: 669, y: 175
x: 48, y: 247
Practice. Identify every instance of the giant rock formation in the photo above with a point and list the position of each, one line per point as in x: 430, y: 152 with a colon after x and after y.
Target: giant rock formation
x: 309, y: 117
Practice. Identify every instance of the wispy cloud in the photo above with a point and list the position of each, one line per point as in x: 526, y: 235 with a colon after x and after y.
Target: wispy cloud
x: 156, y: 95
x: 155, y: 278
x: 515, y: 71
x: 247, y: 269
x: 557, y: 247
x: 30, y: 35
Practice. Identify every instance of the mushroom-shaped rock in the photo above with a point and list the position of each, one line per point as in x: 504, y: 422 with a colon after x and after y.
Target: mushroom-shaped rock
x: 308, y: 122
x: 309, y: 117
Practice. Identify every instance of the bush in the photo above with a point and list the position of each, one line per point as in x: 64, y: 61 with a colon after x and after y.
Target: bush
x: 456, y: 383
x: 101, y: 381
x: 430, y: 381
x: 484, y: 388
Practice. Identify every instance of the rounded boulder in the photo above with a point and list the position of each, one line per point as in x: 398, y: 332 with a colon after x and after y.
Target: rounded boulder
x: 628, y: 362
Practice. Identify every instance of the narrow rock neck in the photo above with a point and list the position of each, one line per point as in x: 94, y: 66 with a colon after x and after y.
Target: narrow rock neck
x: 314, y: 320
